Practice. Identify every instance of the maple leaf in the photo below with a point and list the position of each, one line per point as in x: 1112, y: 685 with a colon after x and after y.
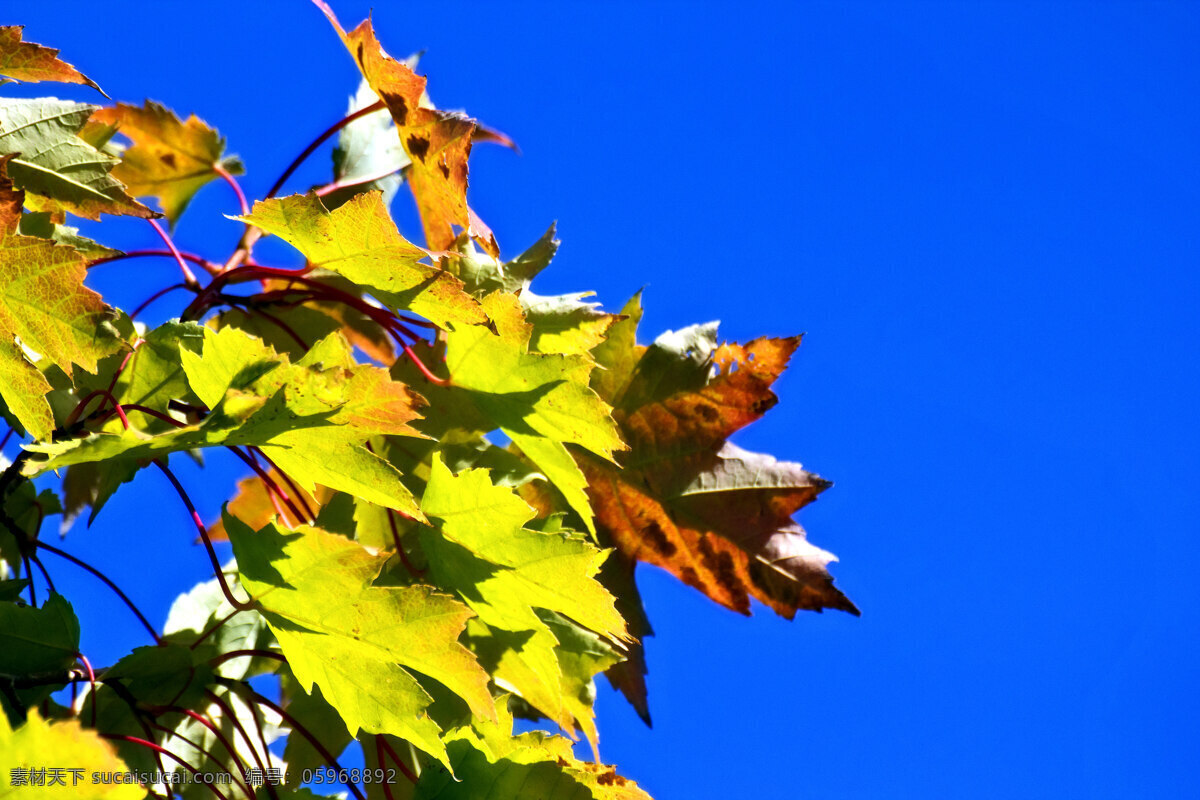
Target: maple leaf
x: 355, y: 639
x: 685, y: 499
x: 37, y: 640
x: 30, y: 744
x: 438, y: 143
x: 45, y: 314
x: 532, y: 765
x: 41, y: 223
x: 560, y: 323
x: 511, y: 576
x: 169, y: 159
x: 59, y: 170
x: 541, y: 401
x: 27, y: 61
x: 359, y: 241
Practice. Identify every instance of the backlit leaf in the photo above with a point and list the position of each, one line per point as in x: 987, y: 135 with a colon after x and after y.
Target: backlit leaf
x: 169, y: 159
x: 45, y: 314
x: 353, y: 639
x: 26, y: 61
x: 686, y: 500
x: 360, y: 242
x: 438, y: 143
x: 68, y: 744
x: 59, y: 170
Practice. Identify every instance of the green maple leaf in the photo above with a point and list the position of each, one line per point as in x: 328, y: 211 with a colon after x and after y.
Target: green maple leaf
x: 529, y: 568
x: 311, y: 422
x: 359, y: 241
x: 489, y: 761
x: 355, y: 640
x: 530, y: 395
x: 58, y: 169
x: 169, y: 159
x: 38, y: 640
x: 30, y: 744
x: 508, y: 574
x: 560, y: 323
x: 45, y: 314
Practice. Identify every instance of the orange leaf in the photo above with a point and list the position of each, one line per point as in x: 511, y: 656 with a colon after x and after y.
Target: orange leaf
x: 437, y: 142
x: 26, y: 61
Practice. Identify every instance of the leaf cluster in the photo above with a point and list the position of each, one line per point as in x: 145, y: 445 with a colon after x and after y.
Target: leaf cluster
x: 450, y: 477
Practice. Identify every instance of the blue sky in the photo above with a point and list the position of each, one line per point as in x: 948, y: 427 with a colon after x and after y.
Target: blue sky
x: 984, y: 216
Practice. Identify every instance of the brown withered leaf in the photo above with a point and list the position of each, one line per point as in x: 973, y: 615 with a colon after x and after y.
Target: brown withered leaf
x: 687, y: 500
x: 437, y: 142
x: 26, y: 61
x: 169, y: 159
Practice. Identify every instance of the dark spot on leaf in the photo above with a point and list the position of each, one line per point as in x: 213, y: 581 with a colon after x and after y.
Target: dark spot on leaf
x: 722, y: 567
x: 397, y: 105
x: 653, y: 533
x: 418, y: 147
x: 360, y: 52
x: 168, y: 159
x: 562, y: 762
x: 607, y: 779
x: 445, y: 170
x: 689, y: 577
x: 708, y: 413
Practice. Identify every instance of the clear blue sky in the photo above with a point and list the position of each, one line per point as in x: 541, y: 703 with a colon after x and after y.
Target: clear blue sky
x: 985, y: 216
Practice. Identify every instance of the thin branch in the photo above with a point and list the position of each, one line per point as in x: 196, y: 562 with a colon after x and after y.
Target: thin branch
x: 209, y: 723
x: 295, y: 726
x: 237, y: 189
x: 278, y: 323
x: 196, y: 746
x: 214, y: 628
x: 149, y: 412
x: 330, y: 188
x: 29, y: 576
x: 330, y: 131
x: 408, y: 773
x: 272, y: 488
x: 120, y: 737
x: 82, y: 404
x: 207, y: 265
x: 188, y: 277
x: 37, y: 562
x: 244, y: 605
x: 160, y: 293
x: 387, y: 788
x: 420, y: 365
x: 237, y: 723
x: 309, y: 516
x: 91, y: 674
x: 231, y: 654
x: 77, y: 562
